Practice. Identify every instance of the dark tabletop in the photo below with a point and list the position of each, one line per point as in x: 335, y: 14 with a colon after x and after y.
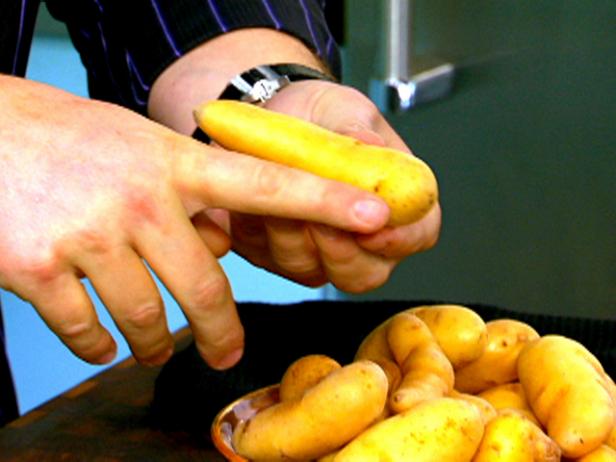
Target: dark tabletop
x: 105, y: 419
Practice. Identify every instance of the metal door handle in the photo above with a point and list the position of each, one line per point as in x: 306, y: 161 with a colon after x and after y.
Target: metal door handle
x: 405, y: 82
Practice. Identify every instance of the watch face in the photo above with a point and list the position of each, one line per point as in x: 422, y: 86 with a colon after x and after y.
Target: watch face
x: 264, y: 89
x: 261, y: 83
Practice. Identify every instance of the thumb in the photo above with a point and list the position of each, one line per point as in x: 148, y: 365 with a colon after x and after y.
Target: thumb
x: 341, y: 109
x: 362, y: 133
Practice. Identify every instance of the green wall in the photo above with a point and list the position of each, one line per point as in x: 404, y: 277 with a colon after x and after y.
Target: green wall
x: 524, y: 150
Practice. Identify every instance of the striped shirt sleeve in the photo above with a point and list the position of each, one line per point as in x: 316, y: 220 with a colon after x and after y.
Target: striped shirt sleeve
x: 126, y: 45
x: 17, y: 19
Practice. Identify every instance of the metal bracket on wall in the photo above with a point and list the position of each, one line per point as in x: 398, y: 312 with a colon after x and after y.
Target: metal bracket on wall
x: 407, y: 84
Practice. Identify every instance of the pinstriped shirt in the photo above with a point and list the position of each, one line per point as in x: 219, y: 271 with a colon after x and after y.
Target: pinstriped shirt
x: 125, y: 44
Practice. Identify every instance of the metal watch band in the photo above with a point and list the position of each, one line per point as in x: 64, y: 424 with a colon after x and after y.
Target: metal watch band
x: 260, y: 83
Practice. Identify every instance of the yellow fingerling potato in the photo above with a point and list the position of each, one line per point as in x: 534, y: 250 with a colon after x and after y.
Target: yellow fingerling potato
x: 603, y: 453
x: 510, y: 437
x: 375, y: 348
x: 509, y: 396
x: 567, y: 389
x: 497, y: 364
x: 426, y: 371
x: 611, y: 387
x: 459, y: 331
x: 328, y: 458
x: 326, y: 417
x: 402, y: 180
x: 305, y: 373
x: 611, y: 439
x: 485, y: 408
x: 442, y: 429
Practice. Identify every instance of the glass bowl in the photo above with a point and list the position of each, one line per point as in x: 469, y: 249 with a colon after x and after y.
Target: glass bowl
x: 239, y: 410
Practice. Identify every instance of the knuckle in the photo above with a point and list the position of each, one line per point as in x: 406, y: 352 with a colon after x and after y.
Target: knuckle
x: 371, y: 280
x: 344, y: 257
x: 297, y: 264
x: 332, y: 195
x: 145, y: 316
x: 74, y: 327
x: 270, y: 182
x: 141, y: 205
x: 40, y: 270
x: 211, y: 292
x: 92, y: 242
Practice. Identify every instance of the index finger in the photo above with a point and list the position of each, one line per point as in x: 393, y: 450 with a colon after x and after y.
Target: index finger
x: 213, y: 177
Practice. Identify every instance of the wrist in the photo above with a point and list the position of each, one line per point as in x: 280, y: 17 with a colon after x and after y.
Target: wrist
x: 205, y: 72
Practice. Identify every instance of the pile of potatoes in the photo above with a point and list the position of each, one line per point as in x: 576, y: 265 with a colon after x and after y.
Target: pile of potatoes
x: 437, y: 383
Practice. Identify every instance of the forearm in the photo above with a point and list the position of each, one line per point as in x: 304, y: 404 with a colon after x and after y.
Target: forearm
x: 203, y: 73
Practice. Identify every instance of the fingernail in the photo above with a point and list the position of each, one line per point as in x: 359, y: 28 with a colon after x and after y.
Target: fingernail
x: 371, y: 212
x: 228, y: 361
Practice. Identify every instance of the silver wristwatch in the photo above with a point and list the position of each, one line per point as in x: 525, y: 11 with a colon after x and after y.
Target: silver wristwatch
x: 260, y: 83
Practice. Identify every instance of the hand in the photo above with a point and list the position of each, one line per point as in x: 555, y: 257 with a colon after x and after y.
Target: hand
x: 91, y: 189
x: 313, y: 254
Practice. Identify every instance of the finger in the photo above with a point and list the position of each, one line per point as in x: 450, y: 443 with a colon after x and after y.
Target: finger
x: 244, y: 184
x: 293, y: 251
x: 403, y: 241
x: 194, y: 277
x: 250, y: 240
x: 212, y: 234
x: 349, y: 267
x: 127, y: 289
x: 249, y: 229
x: 66, y: 308
x: 220, y: 217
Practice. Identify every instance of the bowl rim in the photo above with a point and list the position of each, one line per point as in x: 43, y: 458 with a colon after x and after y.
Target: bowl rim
x: 229, y: 416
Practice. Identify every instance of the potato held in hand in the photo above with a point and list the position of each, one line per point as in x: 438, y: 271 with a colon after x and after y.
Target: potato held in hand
x: 403, y: 181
